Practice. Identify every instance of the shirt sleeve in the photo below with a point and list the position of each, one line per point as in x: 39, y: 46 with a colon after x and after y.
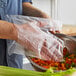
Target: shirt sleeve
x: 27, y: 1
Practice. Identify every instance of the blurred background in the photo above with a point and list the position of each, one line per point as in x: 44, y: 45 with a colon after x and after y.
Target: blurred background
x: 63, y: 10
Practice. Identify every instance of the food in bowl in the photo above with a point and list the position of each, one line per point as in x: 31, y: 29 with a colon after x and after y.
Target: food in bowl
x: 69, y: 61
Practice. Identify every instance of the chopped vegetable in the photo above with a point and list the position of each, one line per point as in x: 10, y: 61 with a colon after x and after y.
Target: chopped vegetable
x: 69, y: 72
x: 8, y: 71
x: 69, y: 61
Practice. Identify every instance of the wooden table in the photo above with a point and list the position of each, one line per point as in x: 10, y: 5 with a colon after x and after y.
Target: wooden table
x: 69, y: 30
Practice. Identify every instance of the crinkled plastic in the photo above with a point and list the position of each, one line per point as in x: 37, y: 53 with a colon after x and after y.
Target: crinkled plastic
x: 38, y: 43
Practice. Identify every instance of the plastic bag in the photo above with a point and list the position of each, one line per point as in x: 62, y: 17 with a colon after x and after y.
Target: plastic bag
x: 37, y: 43
x: 53, y: 25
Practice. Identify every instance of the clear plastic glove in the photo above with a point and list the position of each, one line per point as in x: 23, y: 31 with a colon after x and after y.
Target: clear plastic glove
x: 39, y: 43
x: 53, y: 26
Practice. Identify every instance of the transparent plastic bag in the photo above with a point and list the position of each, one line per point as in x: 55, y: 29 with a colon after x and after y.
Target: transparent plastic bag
x: 37, y: 43
x: 53, y: 25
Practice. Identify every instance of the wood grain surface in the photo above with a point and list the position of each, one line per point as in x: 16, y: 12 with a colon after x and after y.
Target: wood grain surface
x: 69, y: 30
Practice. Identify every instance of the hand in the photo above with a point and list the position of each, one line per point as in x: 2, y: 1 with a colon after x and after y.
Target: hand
x: 39, y: 43
x: 52, y: 26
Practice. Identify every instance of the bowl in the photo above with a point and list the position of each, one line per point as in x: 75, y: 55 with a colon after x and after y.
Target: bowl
x: 69, y: 42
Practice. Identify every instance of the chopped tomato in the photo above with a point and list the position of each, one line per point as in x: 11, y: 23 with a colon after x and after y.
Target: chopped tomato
x: 69, y: 61
x: 74, y: 60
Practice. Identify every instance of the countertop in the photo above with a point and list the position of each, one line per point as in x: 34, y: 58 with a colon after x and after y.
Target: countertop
x: 69, y: 30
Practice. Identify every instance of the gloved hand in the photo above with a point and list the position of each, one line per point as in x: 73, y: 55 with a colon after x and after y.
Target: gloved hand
x: 39, y: 43
x: 53, y: 26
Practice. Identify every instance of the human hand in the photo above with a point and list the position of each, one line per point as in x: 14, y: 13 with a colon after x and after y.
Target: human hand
x: 38, y: 43
x: 53, y: 26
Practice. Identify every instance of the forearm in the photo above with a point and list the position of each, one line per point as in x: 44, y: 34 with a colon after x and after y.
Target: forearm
x: 30, y: 10
x: 7, y: 31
